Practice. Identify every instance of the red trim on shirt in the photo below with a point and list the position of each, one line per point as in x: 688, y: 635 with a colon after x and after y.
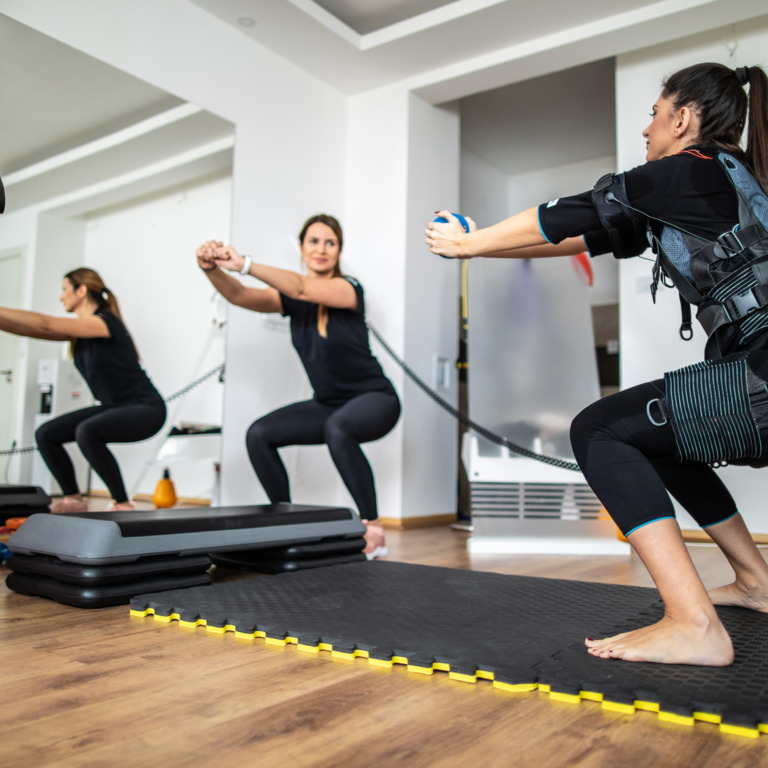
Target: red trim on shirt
x: 695, y: 153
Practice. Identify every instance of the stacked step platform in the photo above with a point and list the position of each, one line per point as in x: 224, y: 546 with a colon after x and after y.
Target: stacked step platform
x: 22, y: 501
x: 98, y: 559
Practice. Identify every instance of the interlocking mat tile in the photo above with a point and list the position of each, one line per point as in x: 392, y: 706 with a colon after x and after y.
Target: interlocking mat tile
x: 521, y: 633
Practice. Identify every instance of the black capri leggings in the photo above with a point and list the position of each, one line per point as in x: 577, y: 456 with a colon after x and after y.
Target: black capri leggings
x: 630, y: 464
x: 342, y: 428
x: 92, y: 428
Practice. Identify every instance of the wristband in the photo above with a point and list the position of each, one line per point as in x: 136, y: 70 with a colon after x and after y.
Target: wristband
x: 246, y: 265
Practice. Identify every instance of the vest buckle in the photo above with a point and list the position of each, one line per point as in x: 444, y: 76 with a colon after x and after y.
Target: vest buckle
x: 730, y: 243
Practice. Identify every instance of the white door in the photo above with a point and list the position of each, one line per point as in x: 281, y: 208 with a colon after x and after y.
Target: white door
x: 10, y: 296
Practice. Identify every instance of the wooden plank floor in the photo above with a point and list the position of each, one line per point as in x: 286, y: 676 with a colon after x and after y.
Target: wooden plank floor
x: 99, y: 688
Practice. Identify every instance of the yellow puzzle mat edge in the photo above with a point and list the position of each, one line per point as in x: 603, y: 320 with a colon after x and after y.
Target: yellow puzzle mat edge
x: 612, y: 706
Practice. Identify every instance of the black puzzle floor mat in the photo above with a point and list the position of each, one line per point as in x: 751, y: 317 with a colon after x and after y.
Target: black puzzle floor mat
x: 521, y: 633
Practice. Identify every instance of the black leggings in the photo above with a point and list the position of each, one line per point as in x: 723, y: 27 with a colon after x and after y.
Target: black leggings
x: 92, y: 428
x: 342, y: 428
x: 630, y: 464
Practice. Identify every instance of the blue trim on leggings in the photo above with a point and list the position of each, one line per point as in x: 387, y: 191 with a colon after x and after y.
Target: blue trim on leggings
x: 721, y: 521
x: 642, y: 525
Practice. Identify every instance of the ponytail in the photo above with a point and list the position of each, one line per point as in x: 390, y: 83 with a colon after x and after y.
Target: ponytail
x: 716, y: 94
x: 757, y: 125
x: 100, y: 295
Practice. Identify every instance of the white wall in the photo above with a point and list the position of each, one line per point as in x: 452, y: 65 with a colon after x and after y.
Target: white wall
x: 432, y: 311
x: 145, y: 254
x: 402, y: 164
x: 650, y: 342
x: 375, y: 244
x: 484, y: 190
x: 56, y: 245
x: 19, y: 233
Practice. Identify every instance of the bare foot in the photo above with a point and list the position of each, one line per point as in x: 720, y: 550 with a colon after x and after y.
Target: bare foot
x: 120, y: 506
x: 70, y: 505
x: 741, y: 595
x: 669, y: 642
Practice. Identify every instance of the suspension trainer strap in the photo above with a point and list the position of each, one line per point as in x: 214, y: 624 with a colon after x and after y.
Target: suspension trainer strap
x: 486, y: 433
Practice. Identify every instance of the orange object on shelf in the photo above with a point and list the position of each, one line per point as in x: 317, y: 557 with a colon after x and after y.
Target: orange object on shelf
x: 14, y: 523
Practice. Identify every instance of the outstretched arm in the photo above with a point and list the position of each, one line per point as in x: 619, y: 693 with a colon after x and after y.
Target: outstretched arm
x: 571, y: 246
x: 332, y: 292
x: 256, y: 299
x: 36, y: 325
x: 521, y: 231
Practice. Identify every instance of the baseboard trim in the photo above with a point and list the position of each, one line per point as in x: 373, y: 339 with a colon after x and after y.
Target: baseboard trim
x: 702, y: 537
x: 412, y: 523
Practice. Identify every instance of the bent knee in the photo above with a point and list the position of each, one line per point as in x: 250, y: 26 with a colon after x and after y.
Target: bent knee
x: 258, y: 434
x: 335, y: 433
x: 41, y: 433
x: 86, y: 434
x: 585, y: 426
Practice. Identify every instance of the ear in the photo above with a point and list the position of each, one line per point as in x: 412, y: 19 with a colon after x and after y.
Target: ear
x: 81, y: 291
x: 686, y: 122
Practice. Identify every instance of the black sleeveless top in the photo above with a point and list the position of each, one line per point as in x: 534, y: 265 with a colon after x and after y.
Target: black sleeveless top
x: 341, y: 365
x: 111, y: 369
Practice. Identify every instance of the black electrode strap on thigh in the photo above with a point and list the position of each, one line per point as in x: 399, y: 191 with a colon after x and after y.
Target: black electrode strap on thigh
x: 711, y: 412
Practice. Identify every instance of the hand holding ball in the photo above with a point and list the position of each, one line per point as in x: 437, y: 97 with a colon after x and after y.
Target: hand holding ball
x: 462, y: 221
x: 442, y: 220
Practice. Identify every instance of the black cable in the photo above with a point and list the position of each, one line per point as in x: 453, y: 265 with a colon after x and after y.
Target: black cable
x: 8, y: 463
x: 18, y: 450
x: 218, y: 369
x: 486, y: 433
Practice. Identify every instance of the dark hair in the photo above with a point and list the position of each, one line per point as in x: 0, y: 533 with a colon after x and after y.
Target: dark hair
x: 105, y: 300
x: 333, y: 223
x: 716, y: 94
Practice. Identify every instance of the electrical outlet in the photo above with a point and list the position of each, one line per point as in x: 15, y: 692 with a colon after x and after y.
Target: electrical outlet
x: 441, y: 372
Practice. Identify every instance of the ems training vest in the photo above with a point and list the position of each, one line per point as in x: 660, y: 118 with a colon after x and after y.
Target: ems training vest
x: 727, y: 279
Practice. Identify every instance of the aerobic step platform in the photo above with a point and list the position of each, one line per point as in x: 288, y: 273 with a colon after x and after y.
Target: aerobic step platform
x: 22, y: 501
x: 520, y: 633
x: 99, y: 595
x: 112, y: 537
x: 297, y: 557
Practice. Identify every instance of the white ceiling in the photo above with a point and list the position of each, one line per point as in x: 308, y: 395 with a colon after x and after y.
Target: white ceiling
x: 446, y: 50
x: 495, y: 54
x: 77, y: 123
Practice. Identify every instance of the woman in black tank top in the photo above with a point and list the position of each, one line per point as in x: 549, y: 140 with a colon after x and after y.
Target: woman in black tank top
x: 130, y: 408
x: 353, y: 401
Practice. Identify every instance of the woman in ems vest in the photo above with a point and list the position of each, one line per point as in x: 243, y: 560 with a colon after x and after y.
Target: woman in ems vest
x: 353, y: 400
x: 130, y: 408
x: 701, y: 200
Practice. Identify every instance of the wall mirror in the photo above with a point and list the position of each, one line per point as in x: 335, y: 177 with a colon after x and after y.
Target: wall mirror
x: 104, y: 170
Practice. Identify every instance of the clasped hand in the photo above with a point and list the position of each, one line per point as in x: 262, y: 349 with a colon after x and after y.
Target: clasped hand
x: 213, y: 253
